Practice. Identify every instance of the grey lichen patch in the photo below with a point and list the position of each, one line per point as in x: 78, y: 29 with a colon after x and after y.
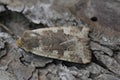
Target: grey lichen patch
x: 64, y: 43
x: 4, y: 75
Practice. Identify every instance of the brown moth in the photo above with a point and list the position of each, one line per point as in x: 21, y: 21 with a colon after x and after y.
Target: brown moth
x: 63, y: 43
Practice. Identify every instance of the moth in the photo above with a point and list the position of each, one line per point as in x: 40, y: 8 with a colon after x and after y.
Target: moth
x: 63, y: 43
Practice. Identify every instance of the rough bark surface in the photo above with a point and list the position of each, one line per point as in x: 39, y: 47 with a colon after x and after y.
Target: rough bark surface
x: 101, y: 16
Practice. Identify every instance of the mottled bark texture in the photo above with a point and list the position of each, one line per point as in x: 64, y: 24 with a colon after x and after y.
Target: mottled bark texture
x: 101, y: 16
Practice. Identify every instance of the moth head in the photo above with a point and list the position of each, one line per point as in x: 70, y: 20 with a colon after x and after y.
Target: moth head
x: 19, y: 42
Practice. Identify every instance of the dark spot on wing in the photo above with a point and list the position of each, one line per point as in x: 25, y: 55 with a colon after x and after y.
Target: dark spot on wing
x: 30, y: 42
x: 53, y: 41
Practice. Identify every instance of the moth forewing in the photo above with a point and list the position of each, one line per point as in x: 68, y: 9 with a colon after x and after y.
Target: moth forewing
x: 63, y: 43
